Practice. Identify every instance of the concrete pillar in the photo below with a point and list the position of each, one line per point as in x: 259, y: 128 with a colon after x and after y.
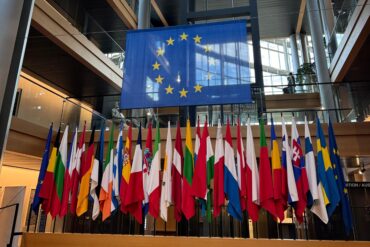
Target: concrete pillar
x: 143, y: 23
x: 294, y: 50
x: 326, y: 91
x: 144, y: 14
x: 302, y: 38
x: 327, y: 17
x: 15, y: 19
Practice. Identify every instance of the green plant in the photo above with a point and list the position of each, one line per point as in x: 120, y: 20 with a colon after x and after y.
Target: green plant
x: 306, y: 73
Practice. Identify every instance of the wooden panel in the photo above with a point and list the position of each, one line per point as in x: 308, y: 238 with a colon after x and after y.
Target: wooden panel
x: 293, y: 101
x: 90, y: 240
x: 124, y: 11
x: 53, y: 25
x: 157, y: 9
x: 21, y: 160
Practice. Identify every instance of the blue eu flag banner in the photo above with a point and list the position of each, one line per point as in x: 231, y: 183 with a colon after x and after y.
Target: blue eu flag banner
x: 339, y: 177
x: 187, y: 65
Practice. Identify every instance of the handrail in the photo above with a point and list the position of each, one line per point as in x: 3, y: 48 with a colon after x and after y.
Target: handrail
x: 67, y: 99
x: 8, y: 206
x: 13, y: 233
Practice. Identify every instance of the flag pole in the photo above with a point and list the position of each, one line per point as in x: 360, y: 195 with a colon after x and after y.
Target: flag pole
x: 305, y: 224
x: 29, y: 218
x: 154, y: 227
x: 278, y: 230
x: 221, y: 226
x: 37, y: 218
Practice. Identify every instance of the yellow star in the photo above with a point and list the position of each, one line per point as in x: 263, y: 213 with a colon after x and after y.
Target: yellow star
x: 184, y: 36
x: 160, y: 52
x: 198, y: 88
x: 169, y: 89
x: 159, y: 79
x: 183, y: 93
x: 207, y: 48
x: 156, y: 65
x: 170, y: 41
x: 197, y: 39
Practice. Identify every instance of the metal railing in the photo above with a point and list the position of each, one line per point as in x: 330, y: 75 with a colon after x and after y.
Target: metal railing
x: 13, y: 233
x: 224, y: 225
x: 343, y: 17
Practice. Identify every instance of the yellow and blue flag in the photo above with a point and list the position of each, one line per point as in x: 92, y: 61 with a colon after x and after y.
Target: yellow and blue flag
x: 339, y: 177
x: 187, y: 65
x: 325, y: 172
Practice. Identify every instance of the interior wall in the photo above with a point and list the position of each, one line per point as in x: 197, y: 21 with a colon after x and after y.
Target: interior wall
x: 12, y: 176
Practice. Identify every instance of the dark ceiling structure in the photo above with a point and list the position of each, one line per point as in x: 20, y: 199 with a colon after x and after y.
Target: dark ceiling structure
x: 55, y: 66
x: 277, y: 18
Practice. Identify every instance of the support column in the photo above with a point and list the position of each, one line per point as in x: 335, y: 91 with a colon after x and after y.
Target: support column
x: 326, y: 92
x: 143, y: 23
x: 327, y: 17
x: 144, y: 14
x: 302, y: 38
x: 259, y: 91
x: 15, y: 19
x: 294, y: 50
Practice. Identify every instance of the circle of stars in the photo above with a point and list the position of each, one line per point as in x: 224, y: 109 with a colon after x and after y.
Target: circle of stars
x: 160, y: 53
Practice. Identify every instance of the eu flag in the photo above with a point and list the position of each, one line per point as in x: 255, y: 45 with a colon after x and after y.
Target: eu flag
x: 37, y: 200
x: 339, y: 177
x: 187, y: 65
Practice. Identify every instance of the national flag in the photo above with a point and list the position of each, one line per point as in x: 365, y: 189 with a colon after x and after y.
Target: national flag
x: 86, y: 167
x: 253, y: 184
x: 126, y: 169
x: 197, y: 142
x: 135, y: 191
x: 310, y: 167
x: 47, y: 186
x: 76, y: 167
x: 266, y: 187
x: 240, y: 168
x: 166, y: 193
x: 202, y: 203
x: 279, y: 184
x: 37, y: 200
x: 117, y: 170
x: 210, y: 172
x: 154, y: 188
x: 199, y: 185
x: 177, y: 175
x: 187, y: 198
x: 231, y: 178
x: 290, y: 192
x: 325, y: 172
x: 105, y: 196
x: 300, y: 174
x: 68, y: 176
x: 96, y: 174
x: 318, y: 204
x: 338, y: 172
x: 218, y: 190
x: 59, y: 170
x: 148, y: 156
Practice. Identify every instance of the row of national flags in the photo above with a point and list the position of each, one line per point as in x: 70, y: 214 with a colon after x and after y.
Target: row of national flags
x: 72, y: 179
